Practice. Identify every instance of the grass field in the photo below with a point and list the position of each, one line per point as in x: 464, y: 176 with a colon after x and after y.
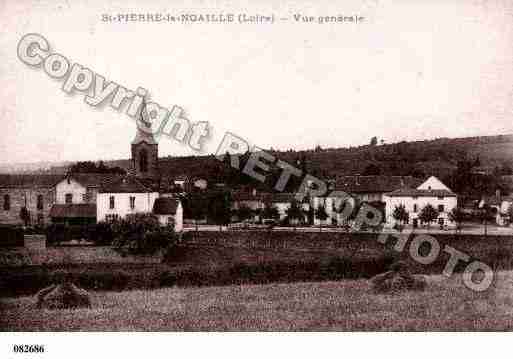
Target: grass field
x: 342, y: 305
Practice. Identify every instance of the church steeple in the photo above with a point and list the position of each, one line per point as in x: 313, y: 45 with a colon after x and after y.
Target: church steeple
x: 144, y: 147
x: 144, y: 132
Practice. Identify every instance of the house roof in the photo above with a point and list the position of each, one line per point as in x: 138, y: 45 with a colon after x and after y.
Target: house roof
x: 126, y: 184
x: 374, y: 184
x: 264, y: 197
x: 75, y: 210
x: 150, y: 183
x: 165, y: 205
x: 93, y: 179
x: 413, y: 192
x: 17, y: 180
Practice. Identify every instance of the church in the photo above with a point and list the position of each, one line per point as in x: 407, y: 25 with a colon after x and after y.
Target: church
x: 85, y: 198
x: 142, y: 190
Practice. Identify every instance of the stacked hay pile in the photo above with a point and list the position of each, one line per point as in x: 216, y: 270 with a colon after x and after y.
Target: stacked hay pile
x: 398, y: 278
x: 62, y: 295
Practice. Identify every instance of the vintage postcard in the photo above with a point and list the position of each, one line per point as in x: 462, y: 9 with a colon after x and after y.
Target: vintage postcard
x: 266, y: 166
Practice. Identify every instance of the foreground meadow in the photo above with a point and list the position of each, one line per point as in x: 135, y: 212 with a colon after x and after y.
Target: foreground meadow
x: 341, y: 305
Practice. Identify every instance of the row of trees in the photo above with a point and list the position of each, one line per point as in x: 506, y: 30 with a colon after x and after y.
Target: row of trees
x: 428, y: 214
x: 93, y: 167
x: 215, y: 207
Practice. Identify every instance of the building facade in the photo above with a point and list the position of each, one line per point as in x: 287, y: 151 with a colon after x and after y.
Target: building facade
x: 431, y: 192
x: 36, y: 193
x: 143, y: 190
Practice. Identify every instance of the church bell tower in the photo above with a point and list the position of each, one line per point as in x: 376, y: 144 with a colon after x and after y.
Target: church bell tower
x: 144, y: 148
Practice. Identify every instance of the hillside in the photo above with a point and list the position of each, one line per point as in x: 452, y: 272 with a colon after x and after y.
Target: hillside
x: 438, y: 157
x: 419, y: 158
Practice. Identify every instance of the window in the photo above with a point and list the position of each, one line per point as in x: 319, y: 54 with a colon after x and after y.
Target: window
x: 40, y: 202
x: 7, y: 202
x: 84, y: 198
x: 68, y: 198
x: 415, y: 208
x: 132, y: 202
x: 40, y: 219
x: 111, y: 202
x: 143, y: 160
x: 440, y: 197
x: 440, y: 208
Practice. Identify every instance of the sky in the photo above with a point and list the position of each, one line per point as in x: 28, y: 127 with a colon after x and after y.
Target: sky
x: 410, y: 70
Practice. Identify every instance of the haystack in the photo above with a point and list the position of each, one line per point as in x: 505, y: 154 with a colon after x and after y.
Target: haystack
x: 64, y: 295
x: 398, y: 278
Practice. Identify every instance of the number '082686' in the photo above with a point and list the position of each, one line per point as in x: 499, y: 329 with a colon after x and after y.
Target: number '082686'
x: 26, y: 348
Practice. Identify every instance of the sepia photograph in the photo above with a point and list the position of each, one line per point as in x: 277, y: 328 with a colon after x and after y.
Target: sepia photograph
x: 264, y: 166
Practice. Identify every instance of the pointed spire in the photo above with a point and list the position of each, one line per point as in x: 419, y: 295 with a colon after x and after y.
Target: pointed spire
x: 143, y: 125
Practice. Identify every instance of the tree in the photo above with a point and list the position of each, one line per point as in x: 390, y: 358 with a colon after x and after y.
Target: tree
x: 219, y: 208
x: 141, y: 233
x: 400, y: 215
x: 321, y: 214
x: 271, y: 212
x: 346, y: 209
x: 428, y: 214
x: 244, y: 213
x: 197, y: 210
x: 374, y: 141
x: 92, y: 167
x: 294, y: 212
x: 25, y: 216
x: 485, y: 212
x: 457, y: 216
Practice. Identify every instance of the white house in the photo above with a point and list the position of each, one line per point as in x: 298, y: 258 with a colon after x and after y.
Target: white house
x: 75, y: 197
x: 70, y: 191
x: 81, y: 187
x: 126, y: 195
x: 355, y: 189
x: 169, y: 211
x: 432, y: 191
x: 371, y: 188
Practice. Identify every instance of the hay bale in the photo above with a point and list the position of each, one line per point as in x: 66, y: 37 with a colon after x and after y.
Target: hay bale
x: 397, y: 279
x: 62, y: 296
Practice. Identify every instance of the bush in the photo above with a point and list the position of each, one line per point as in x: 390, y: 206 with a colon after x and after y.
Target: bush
x: 11, y: 236
x: 141, y: 234
x: 59, y: 232
x: 101, y: 234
